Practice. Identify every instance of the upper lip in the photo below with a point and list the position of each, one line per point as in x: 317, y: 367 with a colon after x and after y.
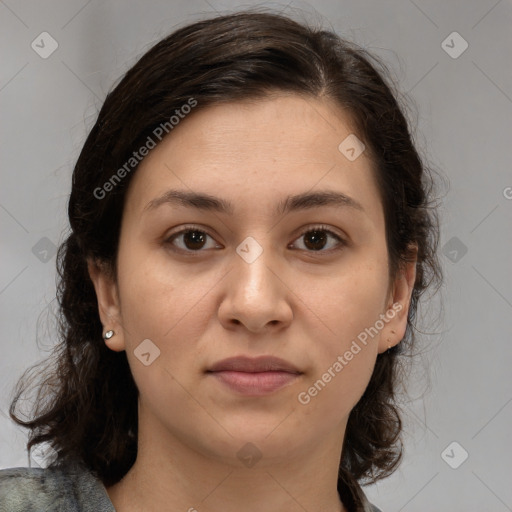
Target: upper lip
x: 254, y: 365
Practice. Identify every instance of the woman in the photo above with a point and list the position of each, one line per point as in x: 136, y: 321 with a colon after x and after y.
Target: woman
x: 250, y: 235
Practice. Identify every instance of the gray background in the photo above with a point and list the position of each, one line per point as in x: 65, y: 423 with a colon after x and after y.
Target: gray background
x: 461, y: 388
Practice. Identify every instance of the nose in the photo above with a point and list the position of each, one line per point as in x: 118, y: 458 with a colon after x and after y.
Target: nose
x: 256, y: 294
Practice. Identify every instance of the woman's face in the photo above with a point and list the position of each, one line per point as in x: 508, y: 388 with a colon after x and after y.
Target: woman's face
x: 284, y: 272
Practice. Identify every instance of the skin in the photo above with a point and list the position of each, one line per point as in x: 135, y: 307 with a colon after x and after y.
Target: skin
x: 293, y: 302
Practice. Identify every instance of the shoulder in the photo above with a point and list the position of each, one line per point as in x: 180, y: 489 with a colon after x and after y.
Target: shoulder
x: 52, y: 489
x: 27, y: 489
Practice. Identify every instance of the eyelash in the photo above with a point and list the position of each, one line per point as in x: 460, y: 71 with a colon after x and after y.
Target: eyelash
x: 188, y: 229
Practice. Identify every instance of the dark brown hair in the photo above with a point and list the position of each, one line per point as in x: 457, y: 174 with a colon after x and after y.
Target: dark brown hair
x: 87, y: 403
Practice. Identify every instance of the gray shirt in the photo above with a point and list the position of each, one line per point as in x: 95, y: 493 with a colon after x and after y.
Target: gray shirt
x: 70, y: 489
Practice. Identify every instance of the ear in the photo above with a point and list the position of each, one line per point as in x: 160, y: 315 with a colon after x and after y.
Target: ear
x: 108, y: 303
x: 398, y: 304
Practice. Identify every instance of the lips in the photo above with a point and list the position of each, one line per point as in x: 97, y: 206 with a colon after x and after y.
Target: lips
x: 254, y: 377
x: 254, y: 365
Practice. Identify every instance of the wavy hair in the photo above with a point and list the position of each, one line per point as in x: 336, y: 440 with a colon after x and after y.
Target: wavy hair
x: 86, y: 405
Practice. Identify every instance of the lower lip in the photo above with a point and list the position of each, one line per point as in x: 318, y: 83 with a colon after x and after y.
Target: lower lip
x: 255, y: 384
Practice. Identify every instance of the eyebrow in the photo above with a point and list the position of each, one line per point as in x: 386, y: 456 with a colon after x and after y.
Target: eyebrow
x: 207, y: 202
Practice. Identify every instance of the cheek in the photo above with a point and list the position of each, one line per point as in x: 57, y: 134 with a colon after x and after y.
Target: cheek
x: 155, y: 294
x: 343, y: 367
x: 333, y: 394
x: 167, y: 305
x: 346, y: 342
x: 354, y: 300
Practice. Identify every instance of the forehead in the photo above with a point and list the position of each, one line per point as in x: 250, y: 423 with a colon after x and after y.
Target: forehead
x: 260, y: 150
x: 285, y: 127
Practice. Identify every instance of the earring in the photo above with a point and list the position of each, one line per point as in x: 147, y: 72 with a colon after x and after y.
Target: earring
x: 108, y: 335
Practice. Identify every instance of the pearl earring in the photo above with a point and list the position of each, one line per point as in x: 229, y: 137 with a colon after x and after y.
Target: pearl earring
x: 108, y: 334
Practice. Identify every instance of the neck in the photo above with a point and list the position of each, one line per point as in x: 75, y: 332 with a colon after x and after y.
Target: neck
x: 170, y: 474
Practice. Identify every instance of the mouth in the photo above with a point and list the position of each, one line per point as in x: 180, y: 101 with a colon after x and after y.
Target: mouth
x: 254, y: 376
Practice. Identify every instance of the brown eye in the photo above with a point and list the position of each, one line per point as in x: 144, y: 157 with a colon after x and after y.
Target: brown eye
x: 315, y: 240
x: 318, y: 238
x: 191, y: 240
x: 194, y: 239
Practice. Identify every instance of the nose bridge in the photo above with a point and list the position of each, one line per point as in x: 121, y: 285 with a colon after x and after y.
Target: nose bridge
x: 252, y: 266
x: 255, y: 296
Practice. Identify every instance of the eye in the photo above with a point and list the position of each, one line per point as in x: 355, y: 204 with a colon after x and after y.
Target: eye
x: 191, y: 240
x: 317, y: 238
